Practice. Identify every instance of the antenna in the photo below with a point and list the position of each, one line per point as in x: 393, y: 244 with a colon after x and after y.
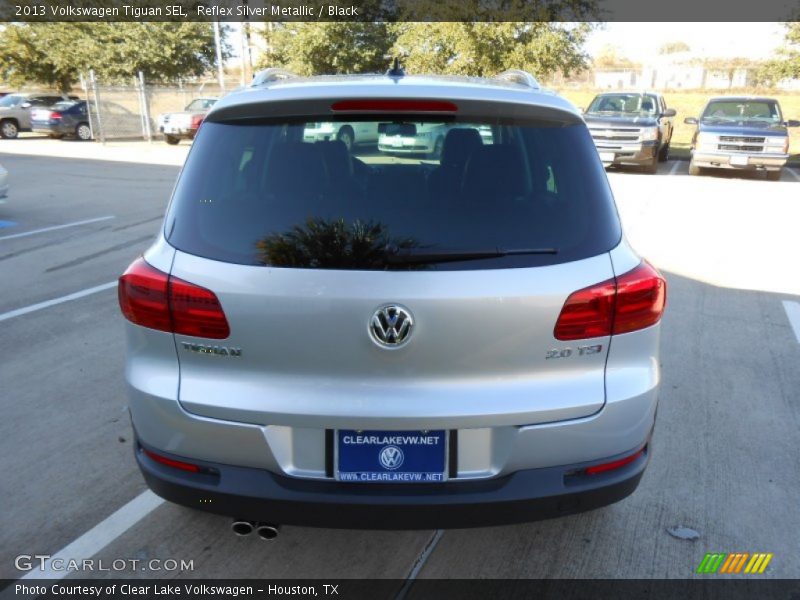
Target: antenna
x: 396, y: 70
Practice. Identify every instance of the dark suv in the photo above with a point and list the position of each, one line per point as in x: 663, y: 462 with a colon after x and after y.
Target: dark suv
x: 631, y: 128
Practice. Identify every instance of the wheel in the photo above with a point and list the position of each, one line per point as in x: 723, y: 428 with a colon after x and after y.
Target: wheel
x: 346, y: 136
x: 9, y: 130
x: 694, y: 169
x: 171, y: 140
x: 774, y: 175
x: 663, y: 154
x: 83, y: 132
x: 437, y: 148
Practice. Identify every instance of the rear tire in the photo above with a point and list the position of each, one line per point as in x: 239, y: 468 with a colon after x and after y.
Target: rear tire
x: 171, y: 140
x: 774, y: 175
x: 9, y: 129
x: 83, y: 132
x: 694, y: 169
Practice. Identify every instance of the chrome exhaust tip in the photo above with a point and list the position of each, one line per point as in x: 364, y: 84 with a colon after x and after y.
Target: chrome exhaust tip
x: 267, y: 531
x: 242, y: 528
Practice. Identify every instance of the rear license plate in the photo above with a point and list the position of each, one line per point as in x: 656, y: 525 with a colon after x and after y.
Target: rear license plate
x: 391, y: 456
x: 607, y: 157
x: 739, y: 161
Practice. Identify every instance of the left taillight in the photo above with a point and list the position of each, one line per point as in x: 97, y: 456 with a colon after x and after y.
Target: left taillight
x: 55, y: 116
x: 197, y: 120
x: 630, y: 302
x: 153, y: 299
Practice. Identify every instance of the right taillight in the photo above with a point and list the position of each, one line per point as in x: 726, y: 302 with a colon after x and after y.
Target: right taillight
x: 153, y: 299
x: 632, y: 301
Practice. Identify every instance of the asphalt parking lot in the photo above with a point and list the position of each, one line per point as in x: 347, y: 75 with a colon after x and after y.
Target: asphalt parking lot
x: 724, y: 459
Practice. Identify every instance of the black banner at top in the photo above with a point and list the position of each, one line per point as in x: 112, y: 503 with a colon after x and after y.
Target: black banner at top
x: 398, y: 10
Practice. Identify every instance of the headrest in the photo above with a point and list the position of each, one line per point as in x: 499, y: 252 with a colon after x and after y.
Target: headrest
x: 459, y: 143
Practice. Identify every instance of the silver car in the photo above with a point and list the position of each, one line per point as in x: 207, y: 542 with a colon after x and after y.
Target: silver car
x: 324, y: 337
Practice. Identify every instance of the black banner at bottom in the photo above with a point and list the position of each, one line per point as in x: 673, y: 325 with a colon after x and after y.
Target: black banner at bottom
x: 357, y: 589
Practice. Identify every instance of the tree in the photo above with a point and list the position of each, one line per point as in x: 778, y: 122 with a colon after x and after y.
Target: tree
x: 674, y: 47
x: 484, y: 49
x: 54, y: 54
x: 786, y: 64
x: 608, y: 57
x: 329, y: 48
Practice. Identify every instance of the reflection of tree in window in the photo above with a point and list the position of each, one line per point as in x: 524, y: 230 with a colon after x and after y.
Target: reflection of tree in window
x: 321, y: 244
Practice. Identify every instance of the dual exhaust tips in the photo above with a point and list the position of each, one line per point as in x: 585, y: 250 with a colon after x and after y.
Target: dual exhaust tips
x: 266, y: 531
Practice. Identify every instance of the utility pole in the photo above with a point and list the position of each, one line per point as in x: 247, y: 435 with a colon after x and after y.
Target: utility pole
x: 217, y: 43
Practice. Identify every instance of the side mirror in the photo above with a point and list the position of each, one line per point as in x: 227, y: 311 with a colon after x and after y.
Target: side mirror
x: 690, y: 121
x: 792, y: 123
x: 670, y: 112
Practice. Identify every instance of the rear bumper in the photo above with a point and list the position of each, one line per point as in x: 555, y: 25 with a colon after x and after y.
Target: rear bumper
x: 719, y: 160
x: 639, y: 153
x: 259, y: 495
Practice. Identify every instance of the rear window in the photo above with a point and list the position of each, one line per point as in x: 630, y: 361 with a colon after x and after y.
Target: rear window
x: 391, y: 193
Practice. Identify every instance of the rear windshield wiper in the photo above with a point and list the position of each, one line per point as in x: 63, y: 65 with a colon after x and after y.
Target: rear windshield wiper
x: 407, y: 257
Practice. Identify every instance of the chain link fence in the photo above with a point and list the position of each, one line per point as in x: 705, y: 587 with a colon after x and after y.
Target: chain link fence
x: 120, y: 112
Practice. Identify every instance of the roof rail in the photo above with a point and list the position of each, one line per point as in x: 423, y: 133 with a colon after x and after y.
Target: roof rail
x: 270, y: 75
x: 519, y: 76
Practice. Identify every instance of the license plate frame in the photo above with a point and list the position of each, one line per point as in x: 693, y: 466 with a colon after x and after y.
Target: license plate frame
x: 421, y: 463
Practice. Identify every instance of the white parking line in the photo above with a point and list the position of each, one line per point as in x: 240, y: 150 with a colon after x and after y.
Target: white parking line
x: 55, y: 227
x: 47, y: 303
x: 100, y: 536
x: 793, y: 173
x: 674, y: 168
x: 793, y: 312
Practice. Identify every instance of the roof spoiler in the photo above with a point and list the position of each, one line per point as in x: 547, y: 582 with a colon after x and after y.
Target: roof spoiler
x: 271, y: 75
x: 519, y: 76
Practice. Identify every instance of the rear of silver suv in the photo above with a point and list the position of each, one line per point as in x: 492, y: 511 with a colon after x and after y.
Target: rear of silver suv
x: 334, y: 336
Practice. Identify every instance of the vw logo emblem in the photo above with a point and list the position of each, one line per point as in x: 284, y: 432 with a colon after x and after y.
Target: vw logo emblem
x: 391, y: 325
x: 391, y: 457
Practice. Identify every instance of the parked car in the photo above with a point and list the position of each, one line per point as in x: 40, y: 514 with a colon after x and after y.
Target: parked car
x: 350, y: 134
x: 741, y: 132
x: 68, y: 118
x: 15, y: 111
x: 631, y: 128
x: 413, y: 138
x: 3, y: 182
x: 183, y: 125
x: 320, y: 337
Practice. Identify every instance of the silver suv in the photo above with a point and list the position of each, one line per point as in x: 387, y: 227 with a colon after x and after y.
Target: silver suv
x: 331, y: 337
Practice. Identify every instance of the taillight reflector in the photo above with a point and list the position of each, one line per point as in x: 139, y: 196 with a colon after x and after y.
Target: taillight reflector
x: 610, y: 466
x: 630, y: 302
x: 175, y: 464
x: 156, y: 300
x: 394, y: 105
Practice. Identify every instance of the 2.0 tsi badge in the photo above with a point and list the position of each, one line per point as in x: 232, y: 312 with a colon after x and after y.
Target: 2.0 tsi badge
x: 391, y: 326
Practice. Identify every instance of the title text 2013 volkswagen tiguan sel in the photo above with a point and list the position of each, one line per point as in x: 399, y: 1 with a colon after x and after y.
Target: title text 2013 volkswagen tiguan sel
x: 342, y: 337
